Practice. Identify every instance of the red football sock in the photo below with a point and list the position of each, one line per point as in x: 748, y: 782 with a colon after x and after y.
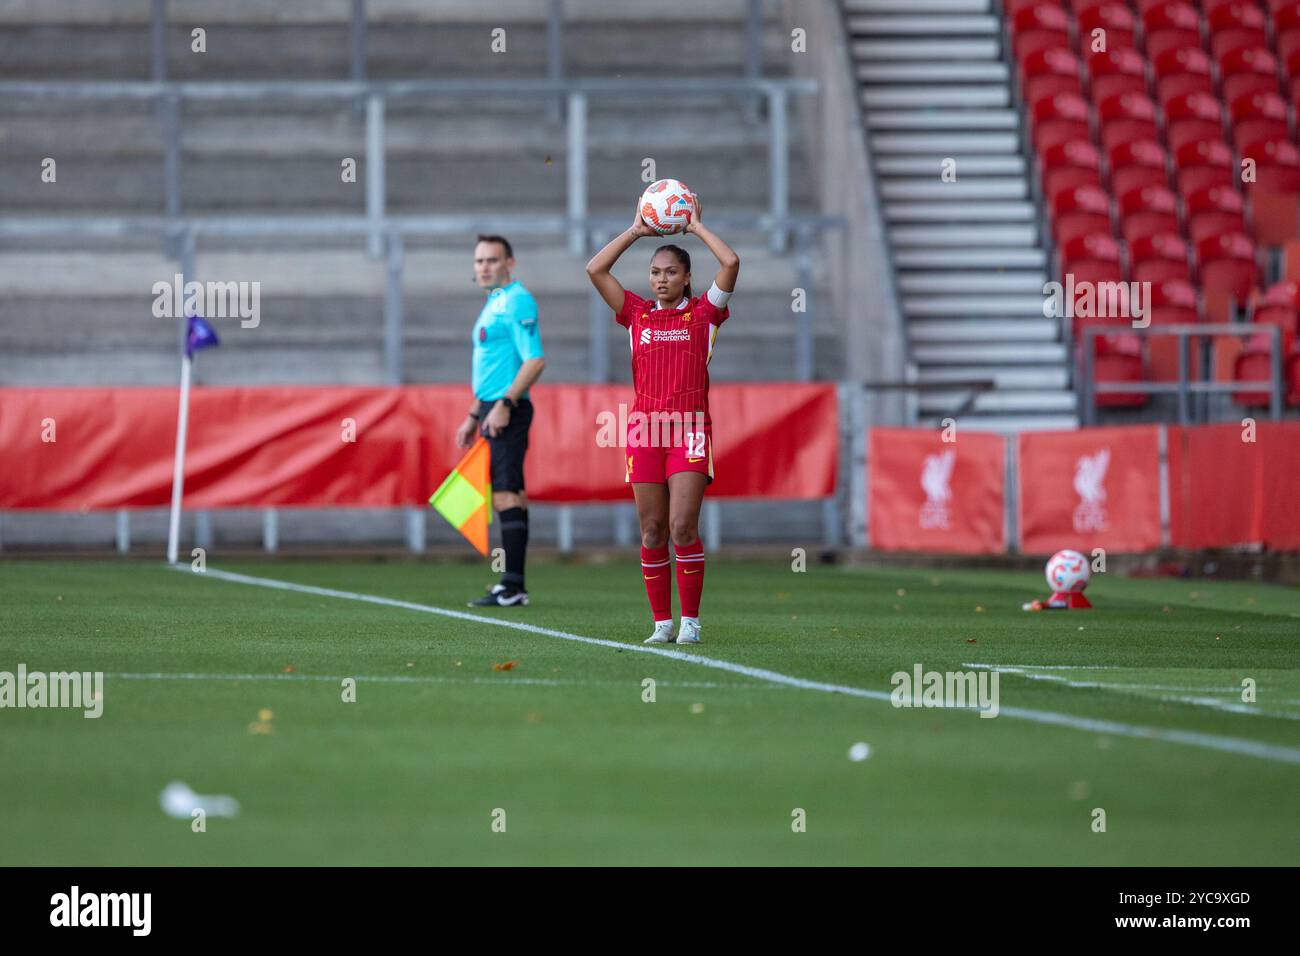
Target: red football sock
x: 690, y: 576
x: 658, y: 582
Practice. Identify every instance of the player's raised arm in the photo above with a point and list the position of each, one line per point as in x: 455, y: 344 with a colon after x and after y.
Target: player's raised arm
x: 610, y: 289
x: 728, y: 261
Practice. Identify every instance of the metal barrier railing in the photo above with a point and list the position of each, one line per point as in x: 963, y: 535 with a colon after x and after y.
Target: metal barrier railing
x: 575, y: 93
x: 1183, y: 387
x: 182, y: 235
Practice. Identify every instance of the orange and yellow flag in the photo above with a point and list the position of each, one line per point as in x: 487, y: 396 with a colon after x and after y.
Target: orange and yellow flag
x: 465, y: 497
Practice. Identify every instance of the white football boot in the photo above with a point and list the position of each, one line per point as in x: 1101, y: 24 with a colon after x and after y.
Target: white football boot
x: 663, y: 633
x: 690, y: 631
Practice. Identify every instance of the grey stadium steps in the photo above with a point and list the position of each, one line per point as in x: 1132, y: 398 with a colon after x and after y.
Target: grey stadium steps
x: 968, y: 256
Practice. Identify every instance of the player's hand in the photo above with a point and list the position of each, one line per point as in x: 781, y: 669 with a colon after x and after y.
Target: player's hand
x: 639, y: 228
x: 496, y: 420
x: 465, y: 434
x: 695, y: 219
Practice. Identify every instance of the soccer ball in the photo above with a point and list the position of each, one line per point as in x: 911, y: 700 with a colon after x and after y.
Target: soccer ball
x: 667, y: 206
x: 1067, y: 572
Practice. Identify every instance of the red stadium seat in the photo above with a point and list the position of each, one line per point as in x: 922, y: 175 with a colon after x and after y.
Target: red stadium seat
x: 1293, y: 74
x: 1038, y: 28
x: 1080, y: 210
x: 1280, y: 305
x: 1125, y: 117
x: 1059, y: 118
x: 1069, y: 164
x: 1226, y: 265
x: 1118, y: 358
x: 1162, y: 256
x: 1209, y: 6
x: 1011, y: 7
x: 1146, y: 211
x: 1277, y: 165
x: 1121, y: 70
x: 1115, y: 20
x: 1145, y: 5
x: 1204, y: 162
x: 1248, y: 69
x: 1182, y: 70
x: 1286, y: 27
x: 1093, y: 258
x: 1214, y: 210
x: 1140, y: 162
x: 1171, y: 25
x: 1054, y: 70
x: 1275, y: 193
x: 1254, y: 364
x: 1235, y: 24
x: 1192, y: 116
x: 1258, y: 116
x: 1172, y: 302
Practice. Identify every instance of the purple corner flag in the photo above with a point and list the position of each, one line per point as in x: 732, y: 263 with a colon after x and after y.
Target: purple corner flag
x: 201, y: 336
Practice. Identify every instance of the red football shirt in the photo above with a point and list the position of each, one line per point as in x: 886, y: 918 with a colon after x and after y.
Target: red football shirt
x: 671, y: 349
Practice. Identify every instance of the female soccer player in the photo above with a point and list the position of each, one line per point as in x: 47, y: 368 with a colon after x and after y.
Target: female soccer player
x: 670, y: 462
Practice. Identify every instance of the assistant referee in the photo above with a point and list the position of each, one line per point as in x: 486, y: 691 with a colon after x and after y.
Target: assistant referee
x: 507, y: 361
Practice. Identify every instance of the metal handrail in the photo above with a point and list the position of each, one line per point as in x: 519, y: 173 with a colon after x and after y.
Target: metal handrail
x: 170, y: 97
x: 347, y: 89
x: 1182, y: 387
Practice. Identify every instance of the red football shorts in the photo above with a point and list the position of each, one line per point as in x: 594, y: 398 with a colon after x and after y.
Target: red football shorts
x: 684, y: 451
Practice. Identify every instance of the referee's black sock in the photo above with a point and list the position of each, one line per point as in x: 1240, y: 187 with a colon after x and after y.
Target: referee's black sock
x: 514, y: 539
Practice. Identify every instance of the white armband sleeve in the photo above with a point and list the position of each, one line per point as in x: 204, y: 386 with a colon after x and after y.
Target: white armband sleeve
x: 718, y: 297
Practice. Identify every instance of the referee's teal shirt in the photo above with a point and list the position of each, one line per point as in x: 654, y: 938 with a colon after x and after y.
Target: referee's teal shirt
x: 505, y: 336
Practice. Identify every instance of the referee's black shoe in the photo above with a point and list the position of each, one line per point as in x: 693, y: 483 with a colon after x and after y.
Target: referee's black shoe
x: 502, y: 595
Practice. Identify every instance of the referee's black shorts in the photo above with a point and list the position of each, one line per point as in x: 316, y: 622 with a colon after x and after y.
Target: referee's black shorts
x: 509, y: 447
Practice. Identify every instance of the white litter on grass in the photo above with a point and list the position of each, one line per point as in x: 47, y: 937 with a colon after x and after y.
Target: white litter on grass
x: 859, y: 752
x: 180, y: 801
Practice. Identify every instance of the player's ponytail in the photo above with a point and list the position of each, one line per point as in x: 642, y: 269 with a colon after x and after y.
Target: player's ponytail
x: 683, y: 259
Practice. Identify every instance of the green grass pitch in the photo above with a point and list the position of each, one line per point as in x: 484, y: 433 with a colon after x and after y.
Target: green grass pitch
x: 587, y: 772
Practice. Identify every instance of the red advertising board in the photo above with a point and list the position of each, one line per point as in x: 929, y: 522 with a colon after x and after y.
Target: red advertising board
x: 927, y: 494
x: 81, y: 449
x: 1089, y: 488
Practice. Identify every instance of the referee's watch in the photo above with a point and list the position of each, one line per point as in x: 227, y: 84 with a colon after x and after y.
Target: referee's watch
x: 510, y: 402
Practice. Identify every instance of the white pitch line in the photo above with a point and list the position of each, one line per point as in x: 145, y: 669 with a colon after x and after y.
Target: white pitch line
x: 417, y: 679
x: 1137, y: 690
x: 1234, y: 745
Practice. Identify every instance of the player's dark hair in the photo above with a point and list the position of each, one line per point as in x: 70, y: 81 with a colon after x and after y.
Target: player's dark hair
x: 505, y: 244
x: 683, y: 259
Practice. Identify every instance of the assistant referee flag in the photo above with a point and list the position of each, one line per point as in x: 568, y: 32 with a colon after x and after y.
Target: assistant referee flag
x: 464, y: 497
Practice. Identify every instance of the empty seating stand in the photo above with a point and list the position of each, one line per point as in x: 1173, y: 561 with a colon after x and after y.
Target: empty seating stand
x: 1165, y: 143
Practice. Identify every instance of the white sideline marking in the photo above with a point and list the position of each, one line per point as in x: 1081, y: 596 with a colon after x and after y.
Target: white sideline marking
x: 1137, y: 690
x: 416, y: 679
x: 1235, y: 745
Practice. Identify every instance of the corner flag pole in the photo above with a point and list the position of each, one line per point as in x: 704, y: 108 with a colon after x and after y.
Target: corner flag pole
x: 198, y: 335
x: 178, y: 471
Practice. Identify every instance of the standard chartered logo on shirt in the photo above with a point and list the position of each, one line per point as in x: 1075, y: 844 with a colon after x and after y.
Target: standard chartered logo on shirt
x: 665, y: 335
